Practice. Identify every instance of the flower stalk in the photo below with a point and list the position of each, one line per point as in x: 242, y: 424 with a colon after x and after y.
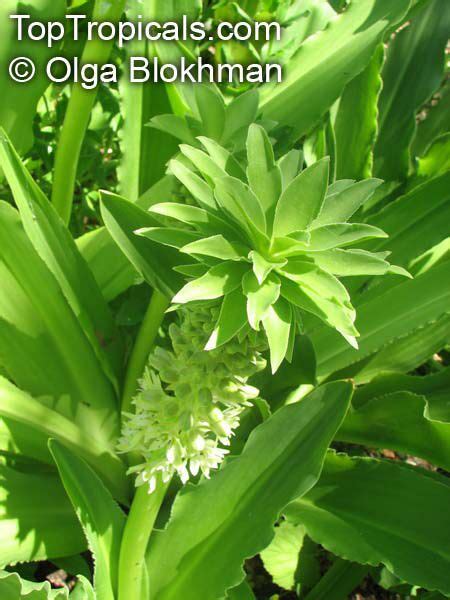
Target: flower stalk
x: 138, y: 528
x: 143, y: 346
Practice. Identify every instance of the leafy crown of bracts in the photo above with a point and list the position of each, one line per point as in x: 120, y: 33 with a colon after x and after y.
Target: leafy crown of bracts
x: 270, y: 241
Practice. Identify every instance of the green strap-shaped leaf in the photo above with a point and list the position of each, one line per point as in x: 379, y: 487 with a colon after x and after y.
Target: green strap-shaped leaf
x: 56, y: 247
x: 102, y: 520
x: 356, y: 121
x: 374, y: 512
x: 231, y: 517
x: 174, y: 125
x: 240, y: 202
x: 37, y: 521
x: 280, y: 558
x: 42, y: 345
x: 301, y: 21
x: 387, y: 317
x: 414, y: 223
x: 13, y: 587
x: 211, y: 109
x: 112, y: 270
x: 223, y: 158
x: 413, y: 71
x: 140, y: 145
x: 348, y: 263
x: 399, y: 421
x: 302, y: 200
x: 433, y: 387
x: 320, y: 281
x: 194, y: 270
x: 339, y: 186
x: 155, y: 264
x: 339, y: 581
x: 199, y: 218
x: 18, y: 105
x: 341, y: 317
x: 195, y: 184
x: 19, y: 439
x: 19, y: 406
x: 290, y: 165
x: 239, y: 113
x: 203, y: 162
x: 168, y: 236
x: 324, y: 64
x: 405, y: 353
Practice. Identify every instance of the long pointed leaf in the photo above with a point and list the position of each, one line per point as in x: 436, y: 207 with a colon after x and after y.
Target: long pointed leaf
x: 37, y: 521
x: 231, y: 516
x: 56, y: 247
x: 376, y: 512
x: 325, y: 63
x: 102, y: 520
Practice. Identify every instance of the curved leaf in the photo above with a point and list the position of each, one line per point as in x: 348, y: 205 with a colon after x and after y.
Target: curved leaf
x: 102, y: 520
x: 231, y: 517
x: 19, y: 406
x: 373, y: 512
x: 218, y: 281
x: 326, y: 62
x: 18, y: 102
x: 399, y: 421
x: 37, y: 521
x: 112, y: 270
x: 387, y: 317
x: 122, y: 219
x: 356, y: 122
x: 54, y: 244
x: 263, y: 173
x: 301, y: 202
x: 413, y: 71
x: 12, y: 587
x: 42, y: 344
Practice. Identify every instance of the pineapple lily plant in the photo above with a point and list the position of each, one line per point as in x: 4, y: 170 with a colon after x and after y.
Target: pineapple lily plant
x: 224, y: 341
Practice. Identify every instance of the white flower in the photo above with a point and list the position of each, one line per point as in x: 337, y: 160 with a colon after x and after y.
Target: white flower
x: 192, y: 407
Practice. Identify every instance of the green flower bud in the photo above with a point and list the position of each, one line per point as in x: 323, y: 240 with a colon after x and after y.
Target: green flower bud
x: 193, y: 405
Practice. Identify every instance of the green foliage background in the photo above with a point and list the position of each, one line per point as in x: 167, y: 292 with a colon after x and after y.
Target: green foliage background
x: 338, y: 477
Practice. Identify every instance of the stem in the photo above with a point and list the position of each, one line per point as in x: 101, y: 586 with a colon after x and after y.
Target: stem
x: 339, y: 581
x: 143, y: 346
x: 78, y: 114
x: 145, y: 506
x: 138, y: 528
x: 74, y: 128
